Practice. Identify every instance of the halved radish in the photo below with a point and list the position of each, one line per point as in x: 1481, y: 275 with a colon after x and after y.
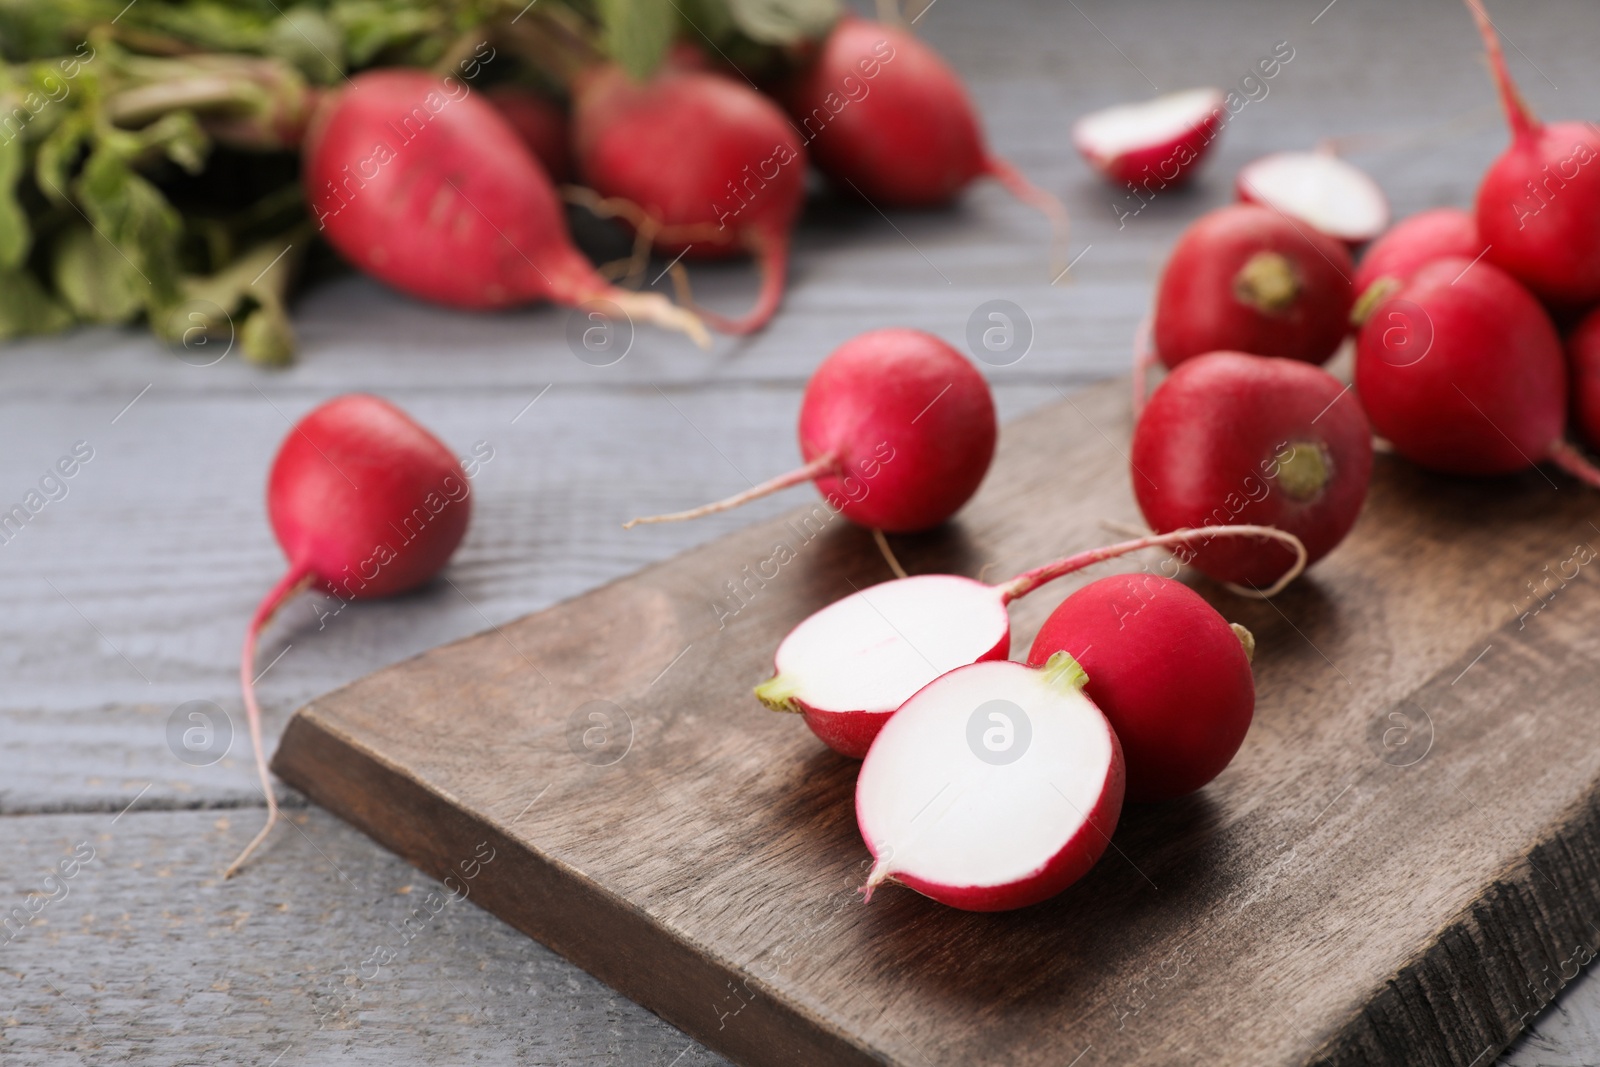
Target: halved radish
x: 1162, y: 139
x: 1318, y: 188
x: 996, y: 786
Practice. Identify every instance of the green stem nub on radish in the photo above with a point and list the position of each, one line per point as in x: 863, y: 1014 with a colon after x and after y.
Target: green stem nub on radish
x: 897, y: 429
x: 994, y: 787
x: 1157, y: 144
x: 1320, y: 190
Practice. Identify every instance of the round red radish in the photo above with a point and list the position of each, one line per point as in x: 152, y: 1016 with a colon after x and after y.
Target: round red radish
x: 707, y: 158
x: 896, y: 429
x: 542, y: 125
x: 849, y: 666
x: 424, y: 185
x: 1161, y: 140
x: 995, y: 787
x: 1246, y: 279
x: 1416, y: 241
x: 365, y: 503
x: 1539, y: 204
x: 1462, y: 371
x: 1319, y: 189
x: 1172, y: 677
x: 1583, y: 358
x: 1233, y: 438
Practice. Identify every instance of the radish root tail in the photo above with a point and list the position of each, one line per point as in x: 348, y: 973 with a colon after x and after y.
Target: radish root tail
x: 888, y: 553
x: 1027, y: 192
x: 1575, y: 463
x: 772, y: 253
x: 815, y: 469
x: 1522, y: 119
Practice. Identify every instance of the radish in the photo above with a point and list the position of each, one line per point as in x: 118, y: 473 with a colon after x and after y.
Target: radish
x: 1416, y: 241
x: 1583, y: 357
x: 426, y: 187
x: 541, y: 124
x: 1539, y: 204
x: 1462, y: 371
x: 1233, y: 438
x: 995, y: 787
x: 888, y: 118
x: 1245, y: 278
x: 1161, y: 140
x: 896, y: 429
x: 1169, y: 673
x: 365, y: 503
x: 710, y: 161
x: 1320, y: 189
x: 847, y: 667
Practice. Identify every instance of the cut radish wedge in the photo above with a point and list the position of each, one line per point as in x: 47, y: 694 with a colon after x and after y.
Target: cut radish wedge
x: 1161, y: 140
x: 848, y: 667
x: 1321, y: 189
x: 995, y: 787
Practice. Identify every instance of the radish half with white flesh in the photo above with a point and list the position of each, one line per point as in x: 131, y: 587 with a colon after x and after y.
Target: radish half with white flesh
x: 1336, y: 197
x: 1160, y: 140
x: 995, y: 787
x: 850, y: 666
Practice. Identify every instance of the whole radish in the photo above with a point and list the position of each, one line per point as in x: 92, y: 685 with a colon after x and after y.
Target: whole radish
x: 1583, y: 358
x: 428, y: 188
x: 365, y: 503
x: 995, y: 787
x: 896, y: 429
x: 1462, y: 371
x: 708, y: 159
x: 1416, y: 241
x: 1169, y: 673
x: 1319, y: 189
x: 1233, y: 438
x: 1160, y: 141
x: 1245, y: 278
x: 541, y: 124
x: 1539, y: 204
x: 848, y: 667
x: 888, y: 119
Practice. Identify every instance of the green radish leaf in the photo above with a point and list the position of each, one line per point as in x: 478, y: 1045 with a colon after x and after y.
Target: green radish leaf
x: 309, y: 39
x: 266, y: 337
x: 96, y: 282
x: 370, y: 27
x: 15, y: 235
x: 132, y: 214
x: 637, y: 33
x: 58, y: 156
x: 25, y: 307
x: 783, y: 21
x: 706, y: 20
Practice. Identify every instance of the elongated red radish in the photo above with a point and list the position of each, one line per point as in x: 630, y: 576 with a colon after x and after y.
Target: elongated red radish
x: 995, y: 787
x: 1319, y: 189
x: 1583, y: 359
x: 849, y: 666
x: 1233, y: 438
x: 1462, y: 372
x: 365, y: 503
x: 1245, y: 278
x: 1539, y: 203
x: 542, y: 125
x: 896, y: 429
x: 710, y: 161
x: 425, y: 186
x: 1161, y: 140
x: 1416, y: 241
x: 1169, y: 673
x: 887, y: 118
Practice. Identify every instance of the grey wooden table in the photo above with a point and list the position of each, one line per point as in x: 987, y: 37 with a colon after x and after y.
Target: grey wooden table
x: 126, y: 598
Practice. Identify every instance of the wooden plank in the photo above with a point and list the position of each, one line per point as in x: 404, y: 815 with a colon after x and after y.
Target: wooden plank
x: 1284, y: 900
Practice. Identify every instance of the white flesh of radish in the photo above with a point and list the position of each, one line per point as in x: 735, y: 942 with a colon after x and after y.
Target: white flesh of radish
x: 1116, y: 131
x: 1336, y: 197
x: 873, y: 649
x: 930, y: 807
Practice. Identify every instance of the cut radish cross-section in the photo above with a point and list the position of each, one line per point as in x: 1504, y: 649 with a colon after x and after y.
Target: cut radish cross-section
x: 995, y: 787
x: 1160, y: 140
x: 1318, y: 188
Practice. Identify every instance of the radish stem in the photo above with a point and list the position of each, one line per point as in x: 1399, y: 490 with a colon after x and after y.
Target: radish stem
x: 1522, y: 120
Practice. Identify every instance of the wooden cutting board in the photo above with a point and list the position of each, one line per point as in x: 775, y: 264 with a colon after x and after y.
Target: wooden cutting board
x: 1401, y: 865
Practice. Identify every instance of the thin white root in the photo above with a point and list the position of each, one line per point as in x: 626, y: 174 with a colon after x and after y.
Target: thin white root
x: 888, y: 553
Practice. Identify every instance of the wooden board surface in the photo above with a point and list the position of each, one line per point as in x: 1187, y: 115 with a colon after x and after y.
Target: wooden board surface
x: 1329, y: 899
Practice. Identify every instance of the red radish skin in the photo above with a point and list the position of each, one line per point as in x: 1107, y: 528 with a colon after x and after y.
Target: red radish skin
x: 365, y: 503
x: 887, y: 118
x: 1462, y: 372
x: 896, y: 429
x: 1583, y: 357
x: 708, y: 159
x: 1172, y: 677
x: 1416, y: 241
x: 1162, y: 140
x: 991, y: 834
x: 422, y: 184
x: 1247, y: 279
x: 1539, y: 203
x: 1234, y: 438
x: 848, y: 667
x: 1320, y: 190
x: 542, y: 125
